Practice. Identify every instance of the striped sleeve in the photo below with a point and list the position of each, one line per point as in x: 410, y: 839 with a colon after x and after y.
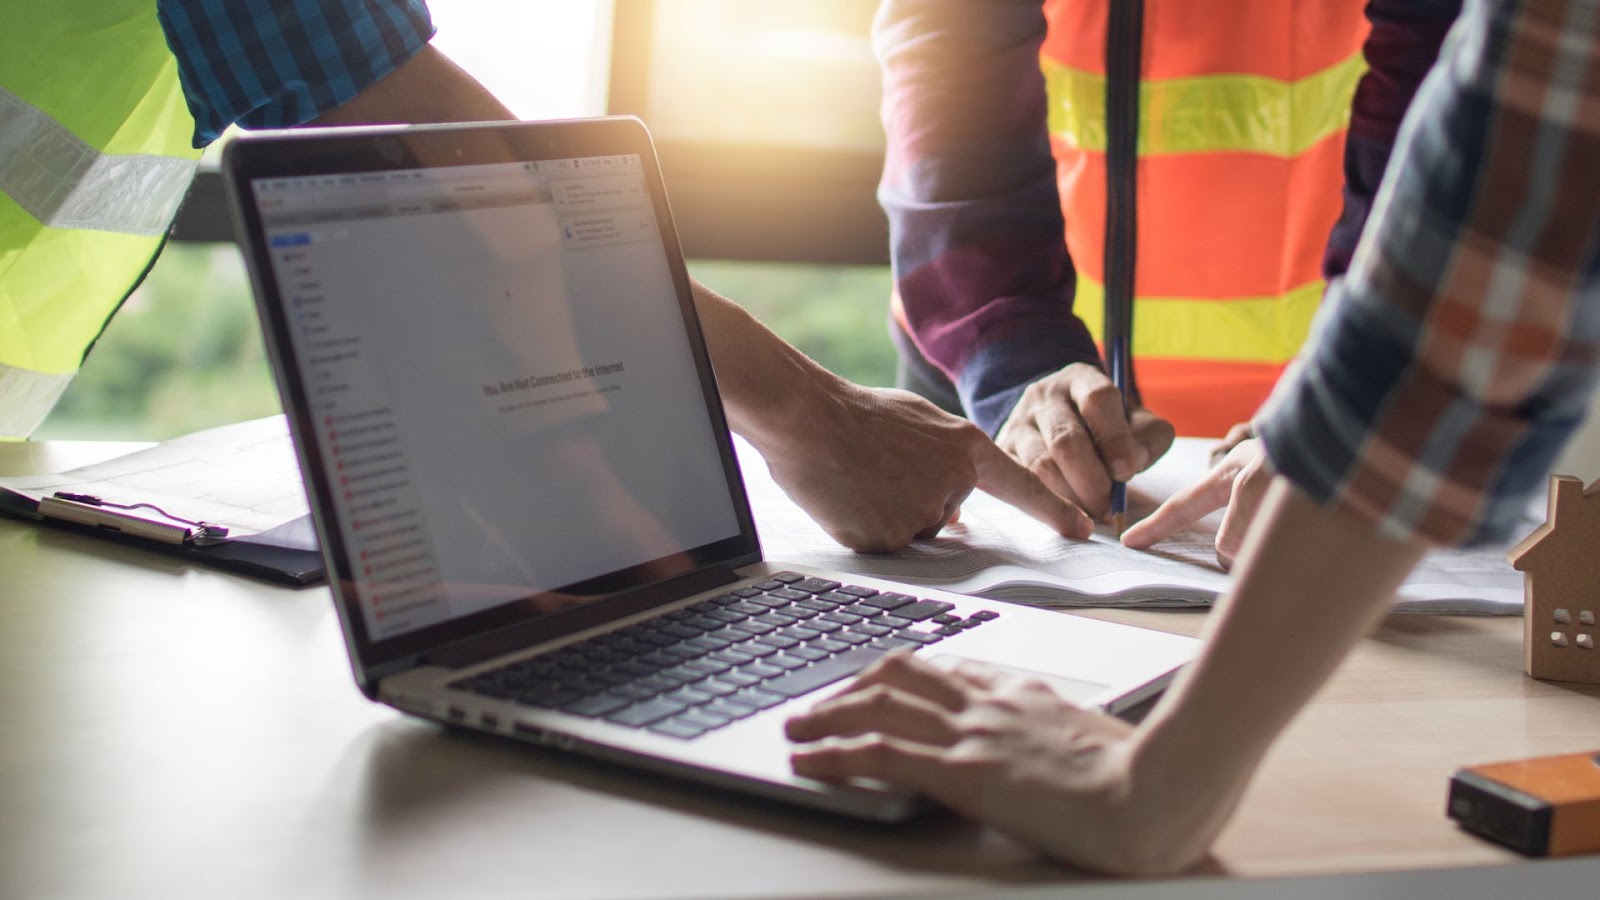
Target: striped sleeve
x: 1451, y: 364
x: 279, y: 63
x: 969, y: 188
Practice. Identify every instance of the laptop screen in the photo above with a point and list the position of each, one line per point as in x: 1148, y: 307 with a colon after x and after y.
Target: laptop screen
x: 494, y: 361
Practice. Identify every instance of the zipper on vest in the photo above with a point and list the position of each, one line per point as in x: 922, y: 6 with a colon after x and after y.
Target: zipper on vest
x: 1124, y: 46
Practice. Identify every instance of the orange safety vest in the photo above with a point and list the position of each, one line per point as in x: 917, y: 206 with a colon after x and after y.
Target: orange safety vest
x: 1243, y: 107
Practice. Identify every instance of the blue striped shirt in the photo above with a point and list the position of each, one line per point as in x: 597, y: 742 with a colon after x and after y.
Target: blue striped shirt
x: 279, y: 63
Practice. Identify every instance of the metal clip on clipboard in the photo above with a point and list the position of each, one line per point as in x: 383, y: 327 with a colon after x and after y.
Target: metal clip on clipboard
x: 85, y: 509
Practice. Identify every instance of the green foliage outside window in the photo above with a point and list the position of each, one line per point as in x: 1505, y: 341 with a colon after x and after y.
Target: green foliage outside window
x: 185, y: 352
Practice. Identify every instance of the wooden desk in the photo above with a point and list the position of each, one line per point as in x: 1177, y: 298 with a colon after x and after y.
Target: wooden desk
x: 171, y: 731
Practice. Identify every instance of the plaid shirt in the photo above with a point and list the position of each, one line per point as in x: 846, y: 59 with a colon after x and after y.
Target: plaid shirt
x: 1457, y: 356
x: 969, y: 185
x: 274, y: 64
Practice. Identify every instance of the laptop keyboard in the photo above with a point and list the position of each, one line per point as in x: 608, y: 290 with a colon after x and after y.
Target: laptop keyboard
x: 699, y: 668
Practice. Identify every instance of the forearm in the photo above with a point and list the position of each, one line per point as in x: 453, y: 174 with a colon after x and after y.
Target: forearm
x: 969, y: 188
x: 769, y: 389
x: 1309, y: 584
x: 427, y: 88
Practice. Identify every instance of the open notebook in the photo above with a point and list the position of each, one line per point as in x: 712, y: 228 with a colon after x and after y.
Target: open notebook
x: 999, y: 552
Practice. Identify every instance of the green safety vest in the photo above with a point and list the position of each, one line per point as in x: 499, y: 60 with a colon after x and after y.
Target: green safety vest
x: 95, y: 159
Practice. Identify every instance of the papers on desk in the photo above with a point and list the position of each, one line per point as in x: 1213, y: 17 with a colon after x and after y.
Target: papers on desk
x: 242, y: 476
x: 999, y: 552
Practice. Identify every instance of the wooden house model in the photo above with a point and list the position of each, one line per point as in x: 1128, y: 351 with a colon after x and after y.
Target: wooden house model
x: 1560, y: 562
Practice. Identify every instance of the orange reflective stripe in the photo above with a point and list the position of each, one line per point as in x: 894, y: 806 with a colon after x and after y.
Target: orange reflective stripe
x: 1212, y: 224
x: 1283, y: 39
x: 1204, y: 399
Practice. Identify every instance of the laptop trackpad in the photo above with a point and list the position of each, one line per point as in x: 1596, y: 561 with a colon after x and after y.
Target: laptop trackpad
x: 1072, y: 690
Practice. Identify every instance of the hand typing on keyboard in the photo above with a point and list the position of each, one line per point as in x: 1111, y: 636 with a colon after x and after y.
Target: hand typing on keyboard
x: 995, y: 746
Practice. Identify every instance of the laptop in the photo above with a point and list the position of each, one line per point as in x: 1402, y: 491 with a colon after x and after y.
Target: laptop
x: 518, y: 464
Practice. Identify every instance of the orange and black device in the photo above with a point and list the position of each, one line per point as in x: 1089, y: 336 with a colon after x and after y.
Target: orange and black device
x: 1546, y: 806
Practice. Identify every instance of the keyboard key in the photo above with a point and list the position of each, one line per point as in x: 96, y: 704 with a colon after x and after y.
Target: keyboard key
x: 725, y: 616
x: 704, y: 623
x: 654, y: 684
x: 747, y: 592
x: 946, y: 619
x: 862, y: 610
x: 708, y: 665
x: 840, y: 616
x: 870, y: 629
x: 851, y: 637
x: 733, y: 657
x: 814, y: 585
x: 758, y: 649
x: 739, y: 679
x: 892, y: 621
x: 826, y: 626
x: 810, y: 653
x: 775, y: 619
x: 746, y: 608
x: 784, y: 661
x: 705, y: 718
x: 548, y: 697
x: 923, y: 609
x: 772, y: 585
x: 837, y: 668
x: 706, y: 643
x: 690, y: 697
x: 857, y: 590
x: 781, y: 642
x: 598, y: 705
x: 679, y: 729
x: 787, y: 595
x: 971, y: 623
x: 948, y: 630
x: 889, y: 601
x: 919, y: 637
x: 634, y: 691
x: 636, y: 668
x: 762, y: 670
x: 984, y: 615
x: 837, y: 598
x: 817, y: 605
x: 757, y: 698
x: 830, y: 645
x: 680, y: 630
x: 714, y: 687
x: 704, y: 606
x: 680, y: 652
x: 729, y: 711
x: 754, y: 627
x: 788, y: 577
x: 642, y: 714
x: 801, y: 633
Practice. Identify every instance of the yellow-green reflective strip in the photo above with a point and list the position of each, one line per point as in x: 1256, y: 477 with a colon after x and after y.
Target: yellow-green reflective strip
x: 1209, y: 113
x: 1247, y: 329
x: 66, y: 183
x: 26, y: 398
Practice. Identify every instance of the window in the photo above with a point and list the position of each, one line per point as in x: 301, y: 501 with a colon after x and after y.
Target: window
x: 185, y: 351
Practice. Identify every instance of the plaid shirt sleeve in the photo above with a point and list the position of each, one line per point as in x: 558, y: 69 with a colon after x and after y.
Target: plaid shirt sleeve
x: 969, y: 188
x: 279, y: 63
x: 1448, y: 367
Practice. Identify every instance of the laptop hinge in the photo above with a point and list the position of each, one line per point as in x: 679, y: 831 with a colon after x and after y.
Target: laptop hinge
x: 519, y: 637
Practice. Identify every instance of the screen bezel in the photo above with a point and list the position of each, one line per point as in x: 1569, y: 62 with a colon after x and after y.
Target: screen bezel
x: 385, y: 148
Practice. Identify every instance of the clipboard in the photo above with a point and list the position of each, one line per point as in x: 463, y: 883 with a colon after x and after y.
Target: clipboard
x: 244, y: 474
x: 287, y: 554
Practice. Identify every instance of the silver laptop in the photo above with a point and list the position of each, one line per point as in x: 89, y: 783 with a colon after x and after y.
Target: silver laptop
x: 522, y: 477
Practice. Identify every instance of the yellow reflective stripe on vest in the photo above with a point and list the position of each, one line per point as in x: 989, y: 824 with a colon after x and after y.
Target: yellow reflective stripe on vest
x: 1209, y: 113
x: 1248, y: 329
x: 65, y: 183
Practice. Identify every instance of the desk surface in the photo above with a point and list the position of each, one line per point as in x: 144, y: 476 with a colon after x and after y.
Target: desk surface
x: 168, y: 727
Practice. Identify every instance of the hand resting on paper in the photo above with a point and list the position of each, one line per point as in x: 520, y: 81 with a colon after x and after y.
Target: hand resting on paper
x: 1238, y: 482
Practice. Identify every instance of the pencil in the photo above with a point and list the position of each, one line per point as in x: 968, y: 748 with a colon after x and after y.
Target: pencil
x: 1117, y: 352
